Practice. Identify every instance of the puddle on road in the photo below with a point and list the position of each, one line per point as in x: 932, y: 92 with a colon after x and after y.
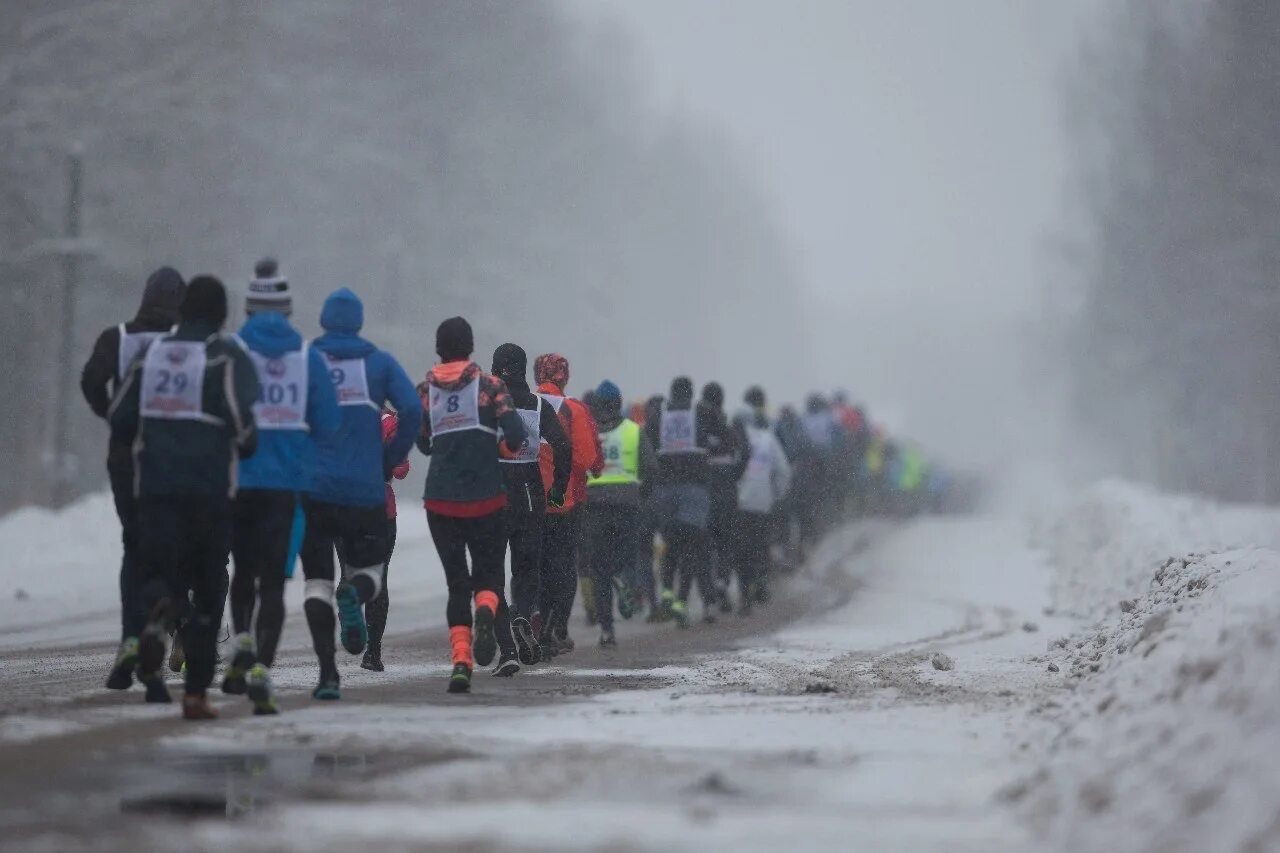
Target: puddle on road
x: 229, y: 786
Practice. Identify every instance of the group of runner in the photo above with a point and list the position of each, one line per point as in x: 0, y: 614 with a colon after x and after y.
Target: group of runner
x: 271, y: 450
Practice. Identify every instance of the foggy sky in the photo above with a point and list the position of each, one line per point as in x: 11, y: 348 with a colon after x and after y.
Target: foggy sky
x: 916, y: 156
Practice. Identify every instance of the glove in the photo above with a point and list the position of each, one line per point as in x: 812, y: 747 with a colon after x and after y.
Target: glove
x: 555, y: 498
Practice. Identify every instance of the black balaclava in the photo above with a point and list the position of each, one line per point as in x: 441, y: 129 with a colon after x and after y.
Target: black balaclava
x: 713, y: 395
x: 205, y: 302
x: 510, y: 364
x: 162, y: 297
x: 454, y: 341
x: 682, y: 392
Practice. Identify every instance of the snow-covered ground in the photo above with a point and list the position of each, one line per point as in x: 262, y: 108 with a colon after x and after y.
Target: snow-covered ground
x: 1097, y: 674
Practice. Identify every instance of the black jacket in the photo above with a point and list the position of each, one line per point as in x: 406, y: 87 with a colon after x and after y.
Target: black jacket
x: 101, y: 375
x: 711, y: 431
x: 525, y: 489
x: 192, y: 457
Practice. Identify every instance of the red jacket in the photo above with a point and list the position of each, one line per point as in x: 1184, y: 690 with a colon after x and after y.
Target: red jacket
x: 389, y: 424
x: 587, y: 453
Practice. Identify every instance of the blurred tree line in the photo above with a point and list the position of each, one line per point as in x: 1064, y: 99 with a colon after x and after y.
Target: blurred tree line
x: 1176, y: 118
x: 480, y: 158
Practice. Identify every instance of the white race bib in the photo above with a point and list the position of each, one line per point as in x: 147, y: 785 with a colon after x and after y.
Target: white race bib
x: 532, y: 435
x: 282, y: 403
x: 131, y: 345
x: 678, y: 432
x: 457, y: 411
x: 350, y: 381
x: 173, y: 381
x: 760, y: 466
x: 556, y: 402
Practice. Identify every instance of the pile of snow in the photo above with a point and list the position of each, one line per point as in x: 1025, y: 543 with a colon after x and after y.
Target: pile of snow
x: 1165, y: 732
x: 1104, y: 542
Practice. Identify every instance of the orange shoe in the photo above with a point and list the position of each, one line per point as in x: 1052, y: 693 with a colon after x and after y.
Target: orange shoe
x: 195, y: 706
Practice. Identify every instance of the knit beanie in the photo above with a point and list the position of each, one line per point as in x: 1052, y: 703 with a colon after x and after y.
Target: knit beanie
x: 269, y: 290
x: 454, y: 340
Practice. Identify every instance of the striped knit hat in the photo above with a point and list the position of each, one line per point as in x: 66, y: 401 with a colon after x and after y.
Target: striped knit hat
x: 269, y: 291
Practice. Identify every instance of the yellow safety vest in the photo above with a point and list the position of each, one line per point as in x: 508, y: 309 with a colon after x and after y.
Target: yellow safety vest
x: 621, y: 446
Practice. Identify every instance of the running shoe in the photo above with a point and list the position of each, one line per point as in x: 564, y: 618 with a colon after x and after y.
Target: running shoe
x: 528, y: 649
x: 507, y: 667
x: 372, y: 660
x: 626, y: 599
x: 328, y: 689
x: 485, y: 646
x: 157, y: 692
x: 680, y: 612
x: 258, y: 687
x: 355, y: 634
x: 242, y: 660
x: 177, y: 656
x: 607, y: 639
x: 195, y: 706
x: 121, y: 677
x: 460, y: 679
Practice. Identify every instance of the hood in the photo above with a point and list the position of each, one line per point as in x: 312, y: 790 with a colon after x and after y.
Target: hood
x: 269, y: 333
x: 342, y: 319
x: 343, y: 313
x: 453, y: 375
x: 162, y: 297
x: 606, y: 406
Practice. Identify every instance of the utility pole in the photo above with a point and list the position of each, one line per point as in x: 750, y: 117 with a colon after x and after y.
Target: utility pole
x: 62, y: 458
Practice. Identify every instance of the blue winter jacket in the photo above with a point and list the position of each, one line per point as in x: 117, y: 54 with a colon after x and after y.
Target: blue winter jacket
x: 285, y: 459
x: 351, y: 465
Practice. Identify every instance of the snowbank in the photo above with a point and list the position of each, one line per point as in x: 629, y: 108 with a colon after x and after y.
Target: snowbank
x: 1165, y: 733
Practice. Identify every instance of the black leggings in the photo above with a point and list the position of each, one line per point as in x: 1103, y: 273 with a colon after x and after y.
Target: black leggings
x: 688, y: 554
x: 612, y: 533
x: 262, y: 525
x: 375, y: 612
x: 559, y: 568
x: 486, y: 540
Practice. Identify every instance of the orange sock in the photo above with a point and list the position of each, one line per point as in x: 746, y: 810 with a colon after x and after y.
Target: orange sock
x: 460, y: 644
x: 487, y: 598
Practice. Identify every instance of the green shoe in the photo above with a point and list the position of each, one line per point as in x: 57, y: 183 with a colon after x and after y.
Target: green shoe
x: 626, y: 599
x: 121, y: 677
x: 258, y: 687
x: 242, y: 660
x: 460, y: 679
x: 680, y: 612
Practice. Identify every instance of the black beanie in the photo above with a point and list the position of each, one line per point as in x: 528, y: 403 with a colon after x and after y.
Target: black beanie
x: 163, y: 293
x: 754, y: 397
x: 713, y: 394
x: 205, y: 301
x: 510, y: 362
x: 454, y: 340
x: 681, y: 390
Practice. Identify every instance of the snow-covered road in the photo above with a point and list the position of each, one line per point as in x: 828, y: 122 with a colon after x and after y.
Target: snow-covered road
x: 822, y: 722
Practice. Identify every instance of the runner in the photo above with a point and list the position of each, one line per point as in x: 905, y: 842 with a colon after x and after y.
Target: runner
x: 376, y: 611
x: 346, y: 503
x: 296, y: 408
x: 613, y: 519
x: 562, y: 527
x: 465, y: 494
x: 187, y: 410
x: 728, y: 461
x: 114, y: 352
x: 527, y: 497
x: 682, y: 431
x: 763, y: 486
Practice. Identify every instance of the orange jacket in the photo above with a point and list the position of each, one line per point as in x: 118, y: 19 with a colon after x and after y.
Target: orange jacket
x: 587, y: 454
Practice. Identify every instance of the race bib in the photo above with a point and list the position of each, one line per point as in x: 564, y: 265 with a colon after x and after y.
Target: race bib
x: 611, y: 448
x: 556, y: 402
x: 350, y: 381
x: 282, y: 403
x: 532, y: 436
x: 456, y: 411
x: 678, y: 432
x: 173, y: 381
x: 760, y: 465
x: 131, y: 346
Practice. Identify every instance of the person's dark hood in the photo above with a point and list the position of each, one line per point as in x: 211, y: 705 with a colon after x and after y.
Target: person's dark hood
x: 162, y: 298
x: 681, y: 393
x: 511, y: 365
x: 342, y: 318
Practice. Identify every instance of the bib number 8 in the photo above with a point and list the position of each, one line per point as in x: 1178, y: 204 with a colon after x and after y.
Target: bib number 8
x: 451, y: 404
